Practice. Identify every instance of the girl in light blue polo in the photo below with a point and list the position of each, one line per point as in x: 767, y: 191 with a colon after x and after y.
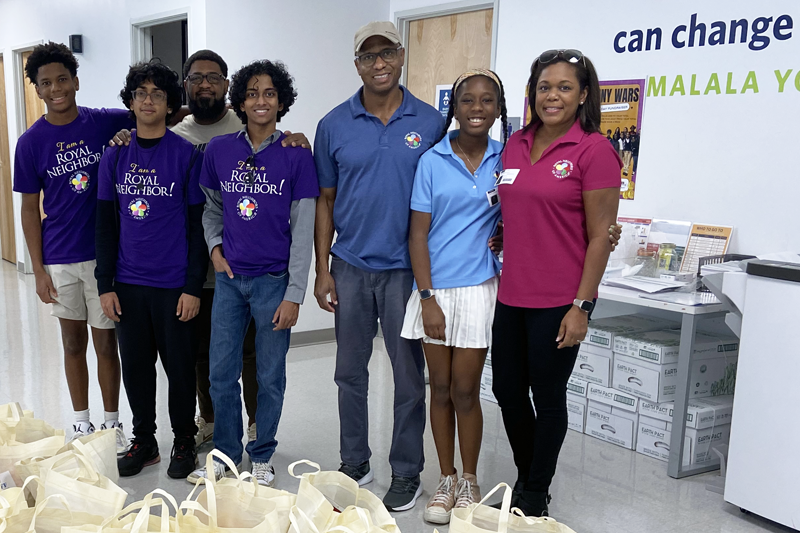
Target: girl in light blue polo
x: 454, y: 219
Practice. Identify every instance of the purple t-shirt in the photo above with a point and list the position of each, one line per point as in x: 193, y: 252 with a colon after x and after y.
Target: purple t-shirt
x: 62, y: 161
x: 256, y: 235
x: 155, y: 187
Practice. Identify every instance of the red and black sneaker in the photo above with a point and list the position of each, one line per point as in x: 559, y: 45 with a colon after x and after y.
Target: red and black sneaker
x: 183, y: 459
x: 139, y: 455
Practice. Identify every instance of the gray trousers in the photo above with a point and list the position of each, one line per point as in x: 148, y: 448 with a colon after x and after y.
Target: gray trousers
x: 362, y: 299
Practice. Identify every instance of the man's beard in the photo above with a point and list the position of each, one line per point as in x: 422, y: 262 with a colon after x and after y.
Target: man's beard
x: 204, y: 110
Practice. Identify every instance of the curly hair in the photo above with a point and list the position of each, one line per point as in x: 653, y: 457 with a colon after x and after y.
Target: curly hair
x: 281, y: 79
x: 205, y: 55
x: 44, y: 54
x: 161, y: 76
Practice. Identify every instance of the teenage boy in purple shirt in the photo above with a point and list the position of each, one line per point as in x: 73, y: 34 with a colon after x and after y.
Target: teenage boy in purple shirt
x: 259, y: 227
x: 151, y: 264
x: 59, y: 155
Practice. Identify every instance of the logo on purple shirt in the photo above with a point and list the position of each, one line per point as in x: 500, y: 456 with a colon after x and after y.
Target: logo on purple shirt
x: 248, y: 207
x: 139, y: 208
x: 79, y: 181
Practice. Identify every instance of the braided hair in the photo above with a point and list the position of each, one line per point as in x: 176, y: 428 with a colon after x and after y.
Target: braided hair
x: 501, y: 99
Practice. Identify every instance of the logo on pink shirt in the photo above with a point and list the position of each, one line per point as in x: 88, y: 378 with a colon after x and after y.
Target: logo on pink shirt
x: 562, y: 169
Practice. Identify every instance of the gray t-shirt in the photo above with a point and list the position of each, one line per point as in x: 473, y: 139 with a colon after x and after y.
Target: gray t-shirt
x: 200, y: 135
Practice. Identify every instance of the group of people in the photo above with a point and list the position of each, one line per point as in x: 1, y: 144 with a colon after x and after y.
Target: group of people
x: 419, y: 213
x: 626, y: 144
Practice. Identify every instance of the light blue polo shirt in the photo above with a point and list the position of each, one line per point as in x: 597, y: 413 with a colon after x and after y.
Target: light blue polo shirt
x: 462, y: 219
x: 372, y: 167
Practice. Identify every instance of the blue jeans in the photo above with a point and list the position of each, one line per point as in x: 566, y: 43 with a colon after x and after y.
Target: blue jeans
x: 235, y: 302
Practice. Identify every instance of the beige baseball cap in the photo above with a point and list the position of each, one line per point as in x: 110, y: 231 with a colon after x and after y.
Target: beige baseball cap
x: 379, y: 28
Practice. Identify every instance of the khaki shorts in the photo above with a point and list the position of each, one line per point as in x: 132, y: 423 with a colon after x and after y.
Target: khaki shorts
x: 77, y: 294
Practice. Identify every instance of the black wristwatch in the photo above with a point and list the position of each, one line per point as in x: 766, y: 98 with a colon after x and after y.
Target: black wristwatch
x: 584, y: 305
x: 425, y: 294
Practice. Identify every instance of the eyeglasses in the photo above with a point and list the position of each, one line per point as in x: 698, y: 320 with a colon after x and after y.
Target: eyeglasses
x: 251, y: 169
x: 157, y: 97
x: 569, y: 55
x: 389, y: 55
x: 213, y: 78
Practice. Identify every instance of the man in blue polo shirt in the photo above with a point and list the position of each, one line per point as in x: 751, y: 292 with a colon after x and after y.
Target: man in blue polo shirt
x: 366, y: 151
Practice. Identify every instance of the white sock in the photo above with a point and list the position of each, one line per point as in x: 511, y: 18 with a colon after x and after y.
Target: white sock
x: 112, y: 419
x: 82, y: 416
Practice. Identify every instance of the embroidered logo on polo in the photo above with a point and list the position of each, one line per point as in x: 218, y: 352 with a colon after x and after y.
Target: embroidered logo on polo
x: 562, y: 169
x: 247, y: 207
x: 79, y: 182
x: 413, y: 140
x: 139, y: 208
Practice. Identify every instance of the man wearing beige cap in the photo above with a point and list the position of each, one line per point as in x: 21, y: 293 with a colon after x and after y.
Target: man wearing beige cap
x: 366, y: 152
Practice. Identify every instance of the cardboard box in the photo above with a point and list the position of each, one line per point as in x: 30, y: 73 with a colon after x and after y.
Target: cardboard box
x: 658, y: 383
x: 616, y: 428
x: 654, y: 422
x: 700, y: 413
x: 577, y: 387
x: 662, y: 347
x: 593, y: 365
x: 655, y: 442
x: 612, y: 397
x: 602, y: 331
x: 576, y: 411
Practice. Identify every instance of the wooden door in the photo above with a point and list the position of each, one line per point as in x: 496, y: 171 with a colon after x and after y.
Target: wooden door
x: 8, y: 248
x: 440, y: 49
x: 34, y: 106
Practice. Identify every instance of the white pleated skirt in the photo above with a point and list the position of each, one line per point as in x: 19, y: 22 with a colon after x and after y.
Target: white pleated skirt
x: 468, y: 314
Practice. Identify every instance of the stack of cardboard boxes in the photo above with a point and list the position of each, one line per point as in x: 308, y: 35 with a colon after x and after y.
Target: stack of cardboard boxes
x: 625, y: 380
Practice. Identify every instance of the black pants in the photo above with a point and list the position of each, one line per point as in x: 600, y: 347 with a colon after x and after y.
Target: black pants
x: 249, y: 381
x: 525, y: 358
x: 148, y: 328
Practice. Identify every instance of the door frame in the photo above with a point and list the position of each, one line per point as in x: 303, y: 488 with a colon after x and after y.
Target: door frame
x: 403, y: 19
x: 18, y: 68
x: 6, y: 72
x: 141, y: 47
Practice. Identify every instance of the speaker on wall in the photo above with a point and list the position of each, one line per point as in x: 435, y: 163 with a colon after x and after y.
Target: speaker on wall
x: 76, y: 44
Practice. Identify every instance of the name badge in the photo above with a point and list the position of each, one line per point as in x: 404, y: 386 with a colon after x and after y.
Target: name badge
x: 508, y: 176
x: 493, y: 197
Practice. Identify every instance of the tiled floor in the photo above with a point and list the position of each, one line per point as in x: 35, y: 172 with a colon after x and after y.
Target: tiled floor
x: 598, y: 488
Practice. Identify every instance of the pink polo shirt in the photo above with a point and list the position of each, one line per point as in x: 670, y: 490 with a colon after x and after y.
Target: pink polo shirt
x: 545, y: 236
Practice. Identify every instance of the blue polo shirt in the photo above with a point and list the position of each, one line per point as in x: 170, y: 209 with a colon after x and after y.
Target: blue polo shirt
x: 372, y: 167
x: 462, y: 219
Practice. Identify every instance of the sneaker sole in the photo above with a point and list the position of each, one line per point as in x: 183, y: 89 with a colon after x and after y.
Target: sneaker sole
x: 368, y: 477
x: 409, y: 505
x: 436, y: 518
x: 128, y: 473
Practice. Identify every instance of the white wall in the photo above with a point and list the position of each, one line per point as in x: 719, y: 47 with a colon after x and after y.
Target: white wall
x: 315, y: 40
x: 105, y: 26
x: 727, y: 159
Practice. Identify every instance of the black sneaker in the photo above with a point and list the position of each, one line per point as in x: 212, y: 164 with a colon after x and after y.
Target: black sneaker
x: 516, y: 494
x: 140, y: 454
x: 183, y: 458
x: 361, y: 473
x: 534, y: 503
x: 403, y: 493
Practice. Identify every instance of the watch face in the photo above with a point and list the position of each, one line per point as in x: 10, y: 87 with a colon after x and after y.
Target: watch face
x: 587, y: 306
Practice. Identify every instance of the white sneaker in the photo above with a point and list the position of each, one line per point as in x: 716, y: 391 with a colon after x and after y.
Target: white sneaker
x: 205, y: 431
x: 122, y: 440
x: 220, y: 471
x: 81, y: 430
x: 263, y: 472
x: 251, y: 432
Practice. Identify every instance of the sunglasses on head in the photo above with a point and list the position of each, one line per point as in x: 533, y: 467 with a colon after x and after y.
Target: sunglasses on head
x: 569, y: 55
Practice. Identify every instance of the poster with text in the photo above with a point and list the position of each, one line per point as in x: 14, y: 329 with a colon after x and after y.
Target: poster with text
x: 621, y: 106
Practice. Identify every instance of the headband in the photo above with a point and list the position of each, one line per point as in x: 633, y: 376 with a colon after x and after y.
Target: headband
x: 475, y: 72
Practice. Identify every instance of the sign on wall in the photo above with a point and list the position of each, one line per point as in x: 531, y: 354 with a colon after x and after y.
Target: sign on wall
x: 621, y: 106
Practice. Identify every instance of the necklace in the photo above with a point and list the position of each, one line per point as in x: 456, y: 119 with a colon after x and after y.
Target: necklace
x: 474, y: 168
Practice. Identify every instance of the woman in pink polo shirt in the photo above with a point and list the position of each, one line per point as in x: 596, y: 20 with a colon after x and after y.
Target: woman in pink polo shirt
x: 559, y: 194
